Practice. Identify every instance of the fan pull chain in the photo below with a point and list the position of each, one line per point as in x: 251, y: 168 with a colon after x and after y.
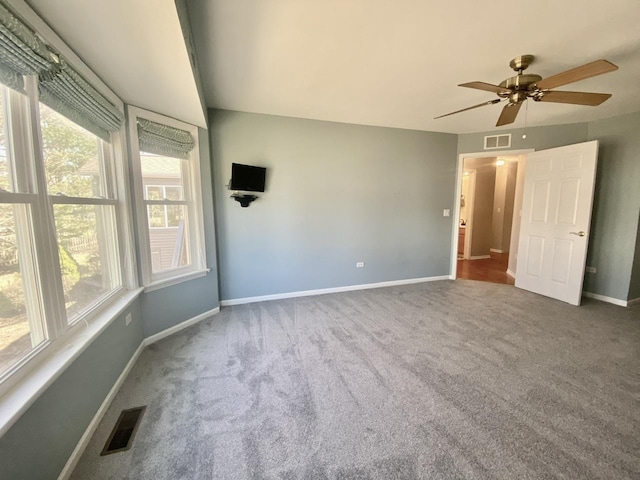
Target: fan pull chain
x: 526, y: 110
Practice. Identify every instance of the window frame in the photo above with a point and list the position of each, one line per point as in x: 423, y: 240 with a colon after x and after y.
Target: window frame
x: 25, y: 135
x: 166, y: 204
x: 192, y: 198
x: 109, y: 199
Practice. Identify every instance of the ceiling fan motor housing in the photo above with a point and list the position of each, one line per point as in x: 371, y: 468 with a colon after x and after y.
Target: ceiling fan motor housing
x: 519, y: 87
x: 521, y: 82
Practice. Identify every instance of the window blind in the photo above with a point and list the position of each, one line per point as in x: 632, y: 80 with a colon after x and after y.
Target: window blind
x: 21, y: 51
x: 61, y: 87
x: 66, y: 91
x: 164, y: 140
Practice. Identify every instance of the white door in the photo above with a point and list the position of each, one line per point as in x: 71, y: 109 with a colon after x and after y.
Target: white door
x: 556, y: 216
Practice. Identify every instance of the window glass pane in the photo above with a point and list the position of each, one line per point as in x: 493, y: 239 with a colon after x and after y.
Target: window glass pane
x: 72, y: 158
x: 174, y: 215
x: 21, y: 327
x: 88, y: 250
x: 5, y: 172
x: 173, y: 193
x: 157, y: 218
x: 154, y: 193
x: 157, y: 170
x: 169, y: 246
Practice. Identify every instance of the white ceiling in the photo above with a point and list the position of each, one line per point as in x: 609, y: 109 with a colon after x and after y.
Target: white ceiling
x: 372, y: 62
x: 397, y: 63
x: 135, y: 46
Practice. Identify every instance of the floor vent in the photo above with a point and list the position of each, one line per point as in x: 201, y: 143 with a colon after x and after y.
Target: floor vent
x: 123, y: 432
x: 497, y: 141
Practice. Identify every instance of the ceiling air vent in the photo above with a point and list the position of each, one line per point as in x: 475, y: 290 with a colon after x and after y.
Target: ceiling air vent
x: 497, y: 141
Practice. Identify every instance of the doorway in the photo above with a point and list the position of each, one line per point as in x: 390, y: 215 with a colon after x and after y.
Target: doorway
x: 487, y: 215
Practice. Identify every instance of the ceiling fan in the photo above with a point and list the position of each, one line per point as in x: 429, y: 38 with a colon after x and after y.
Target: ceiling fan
x: 516, y: 90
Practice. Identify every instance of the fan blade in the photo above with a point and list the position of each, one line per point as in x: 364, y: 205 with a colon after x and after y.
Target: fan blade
x: 509, y: 114
x: 485, y: 86
x: 576, y: 98
x: 490, y: 102
x: 575, y: 74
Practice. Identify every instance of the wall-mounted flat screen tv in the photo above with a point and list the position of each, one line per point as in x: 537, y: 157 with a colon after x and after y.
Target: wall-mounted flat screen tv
x: 247, y: 177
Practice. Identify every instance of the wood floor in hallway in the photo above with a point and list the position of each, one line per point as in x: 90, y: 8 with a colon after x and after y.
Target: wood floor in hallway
x: 492, y: 269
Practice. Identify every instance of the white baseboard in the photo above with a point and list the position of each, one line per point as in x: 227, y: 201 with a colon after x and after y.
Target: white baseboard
x: 479, y: 257
x: 511, y: 274
x: 604, y: 298
x: 633, y: 301
x: 176, y: 328
x: 495, y: 250
x: 88, y: 433
x: 323, y: 291
x: 95, y: 421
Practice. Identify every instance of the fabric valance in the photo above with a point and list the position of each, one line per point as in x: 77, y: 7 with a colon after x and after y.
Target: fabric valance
x: 61, y: 87
x: 164, y: 140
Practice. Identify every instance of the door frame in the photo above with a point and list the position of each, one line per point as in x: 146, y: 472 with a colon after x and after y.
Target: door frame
x: 470, y: 204
x: 458, y: 191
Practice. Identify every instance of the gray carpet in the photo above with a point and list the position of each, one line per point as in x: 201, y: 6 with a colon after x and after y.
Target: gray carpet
x: 445, y: 380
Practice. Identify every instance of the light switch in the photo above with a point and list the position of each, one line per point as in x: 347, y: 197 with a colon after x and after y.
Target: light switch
x: 446, y: 212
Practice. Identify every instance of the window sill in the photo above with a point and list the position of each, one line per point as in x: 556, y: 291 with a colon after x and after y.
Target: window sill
x: 158, y: 284
x: 21, y: 396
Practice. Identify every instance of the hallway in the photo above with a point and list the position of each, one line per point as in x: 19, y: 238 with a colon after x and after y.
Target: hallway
x: 492, y: 269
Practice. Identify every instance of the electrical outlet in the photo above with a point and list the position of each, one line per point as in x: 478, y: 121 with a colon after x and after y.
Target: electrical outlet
x: 446, y: 212
x: 127, y: 319
x: 360, y: 265
x: 590, y: 269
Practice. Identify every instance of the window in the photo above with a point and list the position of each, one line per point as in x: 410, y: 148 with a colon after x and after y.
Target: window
x: 22, y: 327
x: 79, y: 180
x: 167, y: 177
x: 60, y: 235
x: 164, y: 216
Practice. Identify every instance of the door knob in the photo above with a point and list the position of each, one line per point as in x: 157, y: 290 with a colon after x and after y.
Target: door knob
x: 580, y: 233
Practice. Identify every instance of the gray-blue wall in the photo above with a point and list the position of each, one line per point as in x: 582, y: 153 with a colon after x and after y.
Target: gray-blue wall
x: 614, y: 226
x: 169, y: 306
x: 336, y: 194
x: 38, y: 445
x: 634, y: 286
x: 538, y: 138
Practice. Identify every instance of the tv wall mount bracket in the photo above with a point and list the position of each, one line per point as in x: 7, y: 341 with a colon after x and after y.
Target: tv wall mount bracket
x: 244, y: 200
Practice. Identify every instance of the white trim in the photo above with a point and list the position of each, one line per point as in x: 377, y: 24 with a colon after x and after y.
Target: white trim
x: 95, y: 421
x: 191, y: 183
x: 471, y: 208
x: 324, y: 291
x: 604, y: 298
x: 511, y: 274
x: 633, y: 301
x: 455, y: 225
x: 479, y: 257
x: 181, y: 326
x: 495, y: 250
x: 22, y: 395
x: 157, y: 285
